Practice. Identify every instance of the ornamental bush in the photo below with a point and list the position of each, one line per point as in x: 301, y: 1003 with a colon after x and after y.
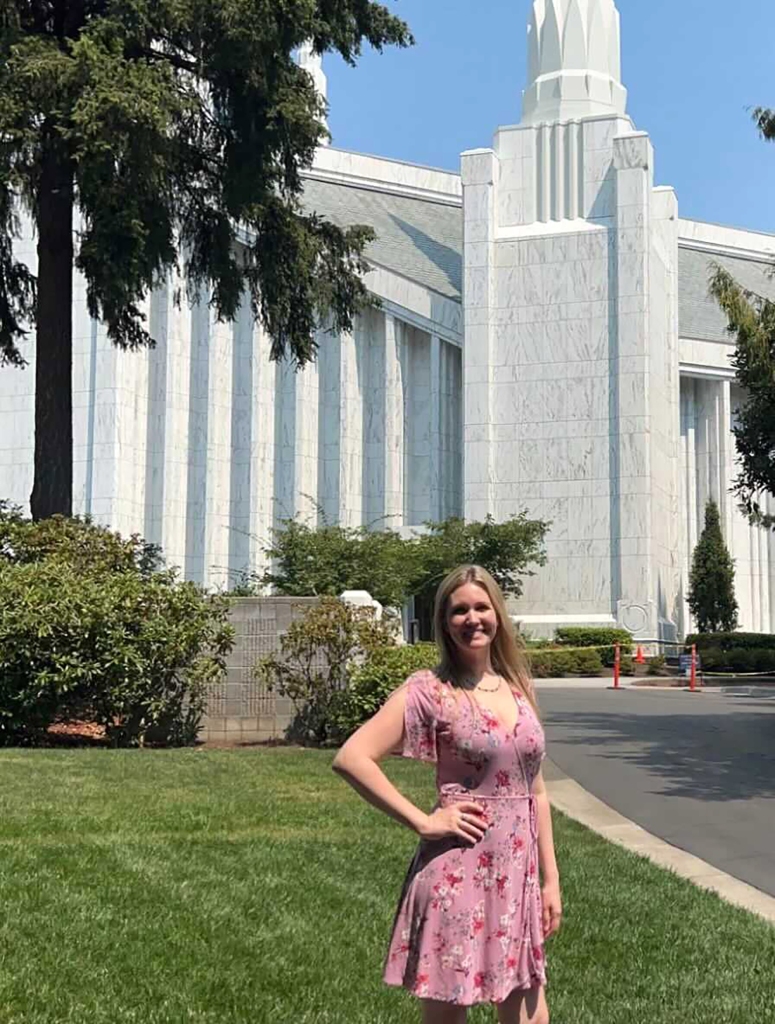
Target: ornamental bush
x: 313, y: 665
x: 587, y: 663
x: 92, y: 630
x: 656, y: 665
x: 371, y: 683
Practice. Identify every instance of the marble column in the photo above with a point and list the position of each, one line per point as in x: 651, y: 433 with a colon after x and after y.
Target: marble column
x: 394, y: 425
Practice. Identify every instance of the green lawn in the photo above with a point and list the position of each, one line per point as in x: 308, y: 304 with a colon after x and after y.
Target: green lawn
x: 254, y: 886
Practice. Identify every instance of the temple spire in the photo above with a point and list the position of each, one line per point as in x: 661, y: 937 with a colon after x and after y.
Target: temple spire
x: 574, y: 61
x: 312, y: 63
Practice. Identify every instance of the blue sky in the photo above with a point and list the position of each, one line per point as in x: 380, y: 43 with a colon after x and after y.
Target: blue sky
x: 692, y: 67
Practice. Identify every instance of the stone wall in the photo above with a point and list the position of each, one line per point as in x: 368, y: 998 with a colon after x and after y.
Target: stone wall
x: 241, y: 709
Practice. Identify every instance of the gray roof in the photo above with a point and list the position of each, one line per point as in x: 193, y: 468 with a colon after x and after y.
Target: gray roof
x: 418, y: 238
x: 699, y: 315
x: 423, y: 241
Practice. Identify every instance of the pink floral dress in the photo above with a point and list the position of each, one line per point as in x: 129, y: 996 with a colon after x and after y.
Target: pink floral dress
x: 468, y: 926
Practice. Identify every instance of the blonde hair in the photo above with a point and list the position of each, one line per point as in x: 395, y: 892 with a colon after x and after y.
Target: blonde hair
x: 506, y: 652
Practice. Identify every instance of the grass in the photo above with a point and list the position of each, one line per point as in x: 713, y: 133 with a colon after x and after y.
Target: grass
x: 253, y: 886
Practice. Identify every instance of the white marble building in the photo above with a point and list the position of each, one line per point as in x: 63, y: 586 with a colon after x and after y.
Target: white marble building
x: 545, y: 340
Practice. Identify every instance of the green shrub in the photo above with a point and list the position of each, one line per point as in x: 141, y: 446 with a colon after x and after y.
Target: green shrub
x: 713, y: 659
x: 656, y: 665
x: 317, y: 654
x: 134, y: 653
x: 627, y: 665
x: 589, y: 636
x: 764, y: 660
x: 728, y: 641
x: 550, y: 664
x: 741, y: 659
x: 371, y: 683
x: 587, y: 663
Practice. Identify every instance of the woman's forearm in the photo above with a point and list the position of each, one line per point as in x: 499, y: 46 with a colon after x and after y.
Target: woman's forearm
x: 368, y: 779
x: 546, y: 855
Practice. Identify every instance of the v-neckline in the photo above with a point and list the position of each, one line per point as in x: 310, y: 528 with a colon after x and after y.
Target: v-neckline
x: 497, y: 719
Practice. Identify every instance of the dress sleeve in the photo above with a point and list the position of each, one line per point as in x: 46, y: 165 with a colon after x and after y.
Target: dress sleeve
x: 421, y: 719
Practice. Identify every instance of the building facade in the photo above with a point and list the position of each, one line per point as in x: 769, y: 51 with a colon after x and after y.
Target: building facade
x: 544, y: 340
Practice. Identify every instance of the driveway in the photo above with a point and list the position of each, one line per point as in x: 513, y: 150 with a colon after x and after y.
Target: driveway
x: 696, y: 770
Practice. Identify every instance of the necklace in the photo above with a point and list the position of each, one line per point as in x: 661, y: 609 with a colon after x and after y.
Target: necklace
x: 489, y: 689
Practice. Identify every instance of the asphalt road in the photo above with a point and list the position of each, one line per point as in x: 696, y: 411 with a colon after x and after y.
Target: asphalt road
x: 696, y: 770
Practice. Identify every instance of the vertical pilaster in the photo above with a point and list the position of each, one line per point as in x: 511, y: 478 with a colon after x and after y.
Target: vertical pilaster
x: 725, y: 456
x: 631, y: 479
x: 240, y: 465
x: 480, y: 176
x: 394, y: 425
x: 350, y: 432
x: 435, y: 439
x: 168, y: 457
x: 262, y: 446
x: 217, y: 499
x: 307, y: 435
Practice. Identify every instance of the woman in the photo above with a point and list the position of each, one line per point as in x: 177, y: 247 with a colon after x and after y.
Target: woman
x: 472, y: 920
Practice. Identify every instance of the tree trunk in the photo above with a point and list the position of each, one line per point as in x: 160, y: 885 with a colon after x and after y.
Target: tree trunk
x: 52, y: 490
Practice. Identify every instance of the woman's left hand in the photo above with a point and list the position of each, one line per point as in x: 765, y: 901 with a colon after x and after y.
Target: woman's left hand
x: 551, y: 904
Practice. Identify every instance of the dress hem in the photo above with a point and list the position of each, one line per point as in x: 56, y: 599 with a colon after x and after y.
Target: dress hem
x: 525, y: 986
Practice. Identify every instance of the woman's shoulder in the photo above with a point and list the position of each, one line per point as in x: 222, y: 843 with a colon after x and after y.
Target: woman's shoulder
x: 427, y: 686
x: 424, y: 679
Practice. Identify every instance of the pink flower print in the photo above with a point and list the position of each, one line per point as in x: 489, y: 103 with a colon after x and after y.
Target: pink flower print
x: 502, y: 779
x: 454, y: 881
x: 538, y: 954
x: 512, y: 962
x: 502, y: 882
x: 477, y: 924
x: 442, y: 897
x: 490, y: 719
x: 479, y: 979
x: 485, y: 860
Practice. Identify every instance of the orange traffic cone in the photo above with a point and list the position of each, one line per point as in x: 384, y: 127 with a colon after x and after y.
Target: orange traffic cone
x: 639, y: 657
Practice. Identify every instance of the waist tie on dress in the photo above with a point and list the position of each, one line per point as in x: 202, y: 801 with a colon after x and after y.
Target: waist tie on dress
x: 529, y: 797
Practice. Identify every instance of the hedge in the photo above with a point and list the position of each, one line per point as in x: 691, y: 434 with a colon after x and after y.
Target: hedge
x: 738, y: 659
x: 731, y: 641
x: 556, y: 663
x: 590, y: 636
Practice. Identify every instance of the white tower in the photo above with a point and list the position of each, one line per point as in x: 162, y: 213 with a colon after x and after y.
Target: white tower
x: 312, y: 63
x: 571, y: 387
x: 574, y: 64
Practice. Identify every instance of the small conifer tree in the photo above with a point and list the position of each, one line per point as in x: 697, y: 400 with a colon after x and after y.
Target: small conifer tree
x: 712, y: 579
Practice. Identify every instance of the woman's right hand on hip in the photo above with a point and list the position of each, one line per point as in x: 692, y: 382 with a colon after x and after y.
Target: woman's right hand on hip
x: 463, y: 820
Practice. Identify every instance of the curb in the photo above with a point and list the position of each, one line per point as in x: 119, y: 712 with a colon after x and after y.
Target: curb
x: 575, y: 801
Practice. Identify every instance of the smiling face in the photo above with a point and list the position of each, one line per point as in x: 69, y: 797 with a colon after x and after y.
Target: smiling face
x: 472, y: 621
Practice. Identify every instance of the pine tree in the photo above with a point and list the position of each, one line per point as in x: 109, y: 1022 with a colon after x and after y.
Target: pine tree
x: 712, y: 579
x: 178, y: 129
